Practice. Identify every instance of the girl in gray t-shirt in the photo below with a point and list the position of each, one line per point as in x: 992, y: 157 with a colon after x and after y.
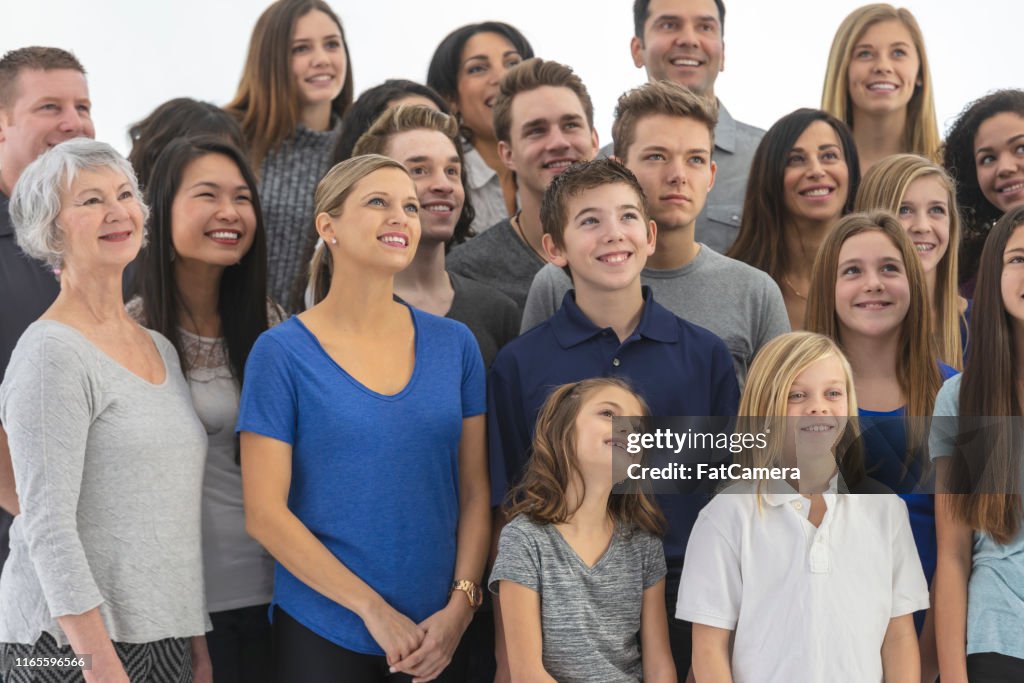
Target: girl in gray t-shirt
x: 581, y: 572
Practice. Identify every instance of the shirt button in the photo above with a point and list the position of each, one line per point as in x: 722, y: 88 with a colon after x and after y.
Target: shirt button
x: 616, y: 362
x: 797, y: 505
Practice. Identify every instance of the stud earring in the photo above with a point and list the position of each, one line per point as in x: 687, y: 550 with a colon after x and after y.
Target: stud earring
x: 334, y: 240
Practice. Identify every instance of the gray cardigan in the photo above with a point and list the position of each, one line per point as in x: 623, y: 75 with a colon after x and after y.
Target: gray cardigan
x: 109, y: 473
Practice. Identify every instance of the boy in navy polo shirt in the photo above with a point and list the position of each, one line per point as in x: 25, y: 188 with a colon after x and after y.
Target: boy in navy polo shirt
x: 596, y: 225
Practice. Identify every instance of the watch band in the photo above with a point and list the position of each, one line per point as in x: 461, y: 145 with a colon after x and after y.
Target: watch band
x: 472, y: 591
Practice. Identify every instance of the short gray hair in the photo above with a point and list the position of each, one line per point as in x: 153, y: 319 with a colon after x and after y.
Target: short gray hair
x: 35, y: 200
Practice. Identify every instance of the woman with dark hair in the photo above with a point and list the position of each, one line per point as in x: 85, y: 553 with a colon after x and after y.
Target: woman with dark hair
x: 803, y: 178
x: 984, y: 153
x: 465, y: 70
x: 976, y: 444
x: 174, y: 119
x: 373, y: 102
x: 296, y: 86
x: 202, y: 284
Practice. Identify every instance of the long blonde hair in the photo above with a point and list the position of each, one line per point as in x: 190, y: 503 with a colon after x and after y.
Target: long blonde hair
x: 331, y: 194
x: 765, y: 399
x: 921, y: 133
x: 883, y: 187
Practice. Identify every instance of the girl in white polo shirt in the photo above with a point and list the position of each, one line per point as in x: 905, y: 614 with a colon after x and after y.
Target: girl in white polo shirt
x: 805, y: 580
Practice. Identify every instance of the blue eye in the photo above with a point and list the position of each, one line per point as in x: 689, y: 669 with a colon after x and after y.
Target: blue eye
x: 412, y: 208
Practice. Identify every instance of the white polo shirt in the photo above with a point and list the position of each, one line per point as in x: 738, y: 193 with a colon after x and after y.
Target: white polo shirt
x: 806, y: 604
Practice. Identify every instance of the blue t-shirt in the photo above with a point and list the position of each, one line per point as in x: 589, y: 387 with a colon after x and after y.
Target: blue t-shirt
x: 679, y: 368
x: 885, y: 451
x: 374, y: 477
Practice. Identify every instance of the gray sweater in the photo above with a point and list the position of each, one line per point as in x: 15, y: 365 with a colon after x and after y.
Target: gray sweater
x: 109, y: 473
x: 288, y: 179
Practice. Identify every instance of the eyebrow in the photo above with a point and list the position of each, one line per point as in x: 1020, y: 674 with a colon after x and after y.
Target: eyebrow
x: 613, y: 404
x: 309, y: 40
x: 1014, y: 250
x: 99, y: 190
x: 506, y: 53
x: 884, y: 259
x: 827, y: 145
x: 596, y: 209
x: 216, y: 186
x: 898, y: 43
x: 422, y: 158
x: 662, y: 148
x: 678, y: 17
x: 1010, y: 141
x: 565, y: 118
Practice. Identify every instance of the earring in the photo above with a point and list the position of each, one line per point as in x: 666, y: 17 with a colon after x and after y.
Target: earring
x: 334, y: 240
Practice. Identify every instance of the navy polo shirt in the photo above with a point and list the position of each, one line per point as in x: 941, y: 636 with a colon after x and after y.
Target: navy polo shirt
x: 678, y: 367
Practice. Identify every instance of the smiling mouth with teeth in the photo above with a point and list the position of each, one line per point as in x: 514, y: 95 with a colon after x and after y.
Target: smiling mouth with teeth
x: 817, y: 192
x: 1011, y: 188
x: 614, y: 258
x: 685, y: 61
x: 817, y: 428
x: 229, y: 235
x: 396, y: 240
x: 923, y: 246
x: 884, y: 87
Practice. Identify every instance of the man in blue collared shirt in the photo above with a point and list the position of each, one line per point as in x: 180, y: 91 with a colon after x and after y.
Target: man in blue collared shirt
x: 681, y: 41
x: 596, y: 224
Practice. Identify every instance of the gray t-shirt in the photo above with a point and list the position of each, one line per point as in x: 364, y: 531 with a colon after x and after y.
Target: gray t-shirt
x: 497, y: 258
x: 590, y: 616
x: 736, y: 302
x: 109, y: 470
x: 735, y: 143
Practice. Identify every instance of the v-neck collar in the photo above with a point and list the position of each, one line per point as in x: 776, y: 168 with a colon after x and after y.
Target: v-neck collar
x: 613, y: 544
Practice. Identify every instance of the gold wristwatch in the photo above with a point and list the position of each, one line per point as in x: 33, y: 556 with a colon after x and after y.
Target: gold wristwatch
x: 472, y: 591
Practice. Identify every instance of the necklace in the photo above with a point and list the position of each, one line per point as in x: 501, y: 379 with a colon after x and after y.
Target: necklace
x: 786, y: 279
x: 517, y: 224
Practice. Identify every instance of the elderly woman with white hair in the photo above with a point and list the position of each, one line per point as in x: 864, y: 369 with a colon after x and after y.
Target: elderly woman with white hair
x: 107, y: 450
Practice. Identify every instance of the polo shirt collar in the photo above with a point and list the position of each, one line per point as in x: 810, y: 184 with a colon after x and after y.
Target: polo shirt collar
x: 725, y: 130
x: 572, y: 327
x: 779, y: 492
x: 6, y: 226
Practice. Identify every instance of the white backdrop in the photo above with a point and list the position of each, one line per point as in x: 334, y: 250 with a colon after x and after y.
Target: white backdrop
x: 140, y: 53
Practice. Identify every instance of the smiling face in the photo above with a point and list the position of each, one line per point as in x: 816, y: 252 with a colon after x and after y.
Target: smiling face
x: 816, y: 180
x: 999, y: 159
x: 817, y: 408
x: 48, y: 108
x: 378, y: 226
x: 671, y: 157
x: 682, y: 43
x: 485, y: 59
x: 318, y: 59
x: 606, y: 241
x: 924, y: 214
x: 101, y: 220
x: 884, y: 68
x: 599, y: 450
x: 433, y: 162
x: 548, y: 132
x: 212, y: 217
x: 1012, y: 280
x: 872, y: 289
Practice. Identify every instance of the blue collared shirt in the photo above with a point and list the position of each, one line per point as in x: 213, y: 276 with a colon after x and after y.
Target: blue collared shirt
x: 679, y: 369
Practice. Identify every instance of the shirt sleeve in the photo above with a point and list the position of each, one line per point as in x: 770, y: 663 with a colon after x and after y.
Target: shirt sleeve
x: 945, y: 422
x: 48, y: 406
x: 508, y: 435
x: 474, y: 399
x: 711, y: 586
x: 774, y: 319
x: 654, y: 561
x: 518, y: 560
x: 909, y: 587
x: 269, y: 403
x: 544, y: 298
x: 725, y: 400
